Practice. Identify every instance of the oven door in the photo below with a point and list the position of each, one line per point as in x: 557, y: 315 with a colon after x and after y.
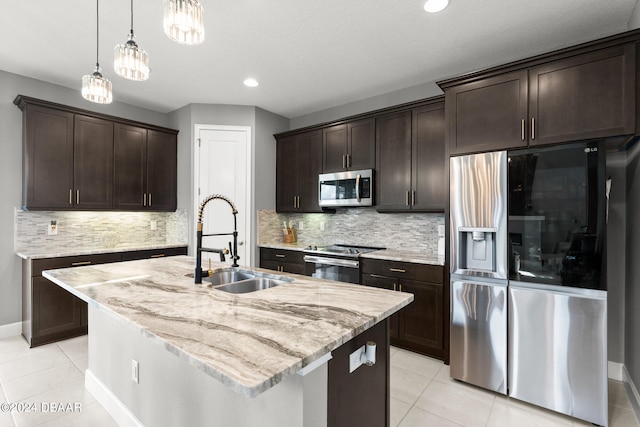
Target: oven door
x: 339, y: 269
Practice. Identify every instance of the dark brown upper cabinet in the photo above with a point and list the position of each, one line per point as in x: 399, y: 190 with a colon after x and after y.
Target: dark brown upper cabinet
x: 68, y: 160
x: 572, y: 95
x: 410, y: 161
x: 583, y: 97
x: 489, y: 114
x: 92, y: 163
x: 78, y: 159
x: 145, y: 169
x: 298, y: 164
x: 349, y: 146
x: 48, y: 139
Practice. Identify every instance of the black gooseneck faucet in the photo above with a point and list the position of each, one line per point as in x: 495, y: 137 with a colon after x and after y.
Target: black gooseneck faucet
x: 199, y: 273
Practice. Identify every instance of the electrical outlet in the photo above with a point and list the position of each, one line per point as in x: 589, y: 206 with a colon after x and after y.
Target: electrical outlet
x: 300, y: 225
x: 355, y: 359
x: 322, y: 226
x: 154, y: 225
x: 52, y: 228
x: 135, y: 371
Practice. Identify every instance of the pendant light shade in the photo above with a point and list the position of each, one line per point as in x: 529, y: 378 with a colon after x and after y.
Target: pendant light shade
x: 184, y: 21
x: 130, y: 61
x: 95, y: 87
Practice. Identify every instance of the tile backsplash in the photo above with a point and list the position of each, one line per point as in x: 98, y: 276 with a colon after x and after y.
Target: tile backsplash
x: 359, y: 226
x: 96, y: 230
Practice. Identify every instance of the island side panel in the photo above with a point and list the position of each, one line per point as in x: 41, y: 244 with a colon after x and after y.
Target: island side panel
x: 171, y: 392
x: 360, y: 398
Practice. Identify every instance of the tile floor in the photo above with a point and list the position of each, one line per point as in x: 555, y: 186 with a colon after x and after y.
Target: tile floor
x: 422, y: 393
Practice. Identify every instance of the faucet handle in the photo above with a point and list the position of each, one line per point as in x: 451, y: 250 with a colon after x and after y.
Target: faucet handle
x: 210, y: 271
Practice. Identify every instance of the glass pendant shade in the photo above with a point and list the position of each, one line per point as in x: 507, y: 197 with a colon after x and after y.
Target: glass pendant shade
x: 131, y: 62
x: 184, y: 21
x: 96, y: 88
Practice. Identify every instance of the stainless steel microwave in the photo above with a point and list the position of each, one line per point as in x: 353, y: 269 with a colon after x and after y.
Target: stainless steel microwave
x: 344, y: 189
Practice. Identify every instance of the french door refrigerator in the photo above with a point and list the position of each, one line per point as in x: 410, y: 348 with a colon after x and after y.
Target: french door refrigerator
x: 528, y: 303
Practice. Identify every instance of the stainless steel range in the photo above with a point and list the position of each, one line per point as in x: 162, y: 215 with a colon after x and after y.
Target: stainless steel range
x: 335, y: 262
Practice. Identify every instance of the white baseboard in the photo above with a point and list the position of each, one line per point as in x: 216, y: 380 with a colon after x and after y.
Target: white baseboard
x: 10, y: 330
x: 118, y: 411
x: 616, y: 371
x: 635, y: 396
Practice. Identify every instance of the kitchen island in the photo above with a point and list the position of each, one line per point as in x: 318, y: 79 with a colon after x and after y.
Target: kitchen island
x: 202, y: 356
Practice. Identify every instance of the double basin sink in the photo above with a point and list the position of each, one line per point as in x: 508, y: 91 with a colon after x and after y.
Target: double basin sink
x: 243, y: 281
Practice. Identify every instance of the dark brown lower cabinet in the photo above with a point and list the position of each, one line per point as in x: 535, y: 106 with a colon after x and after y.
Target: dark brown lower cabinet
x: 420, y: 325
x: 287, y: 261
x: 49, y: 312
x: 360, y: 398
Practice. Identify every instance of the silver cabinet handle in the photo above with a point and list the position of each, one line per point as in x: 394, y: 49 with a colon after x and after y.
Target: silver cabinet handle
x: 395, y: 287
x: 406, y: 198
x: 522, y: 125
x: 294, y: 201
x: 398, y: 270
x: 400, y: 287
x: 149, y: 199
x: 144, y: 199
x: 344, y: 161
x: 348, y: 160
x: 70, y: 196
x: 280, y: 256
x: 533, y: 128
x: 77, y: 197
x: 413, y: 198
x: 298, y: 202
x: 75, y: 264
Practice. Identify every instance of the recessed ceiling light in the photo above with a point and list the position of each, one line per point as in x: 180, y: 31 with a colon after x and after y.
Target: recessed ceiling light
x: 251, y: 82
x: 433, y: 6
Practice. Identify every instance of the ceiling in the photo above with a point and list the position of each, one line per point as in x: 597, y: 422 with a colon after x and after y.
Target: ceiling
x: 307, y: 55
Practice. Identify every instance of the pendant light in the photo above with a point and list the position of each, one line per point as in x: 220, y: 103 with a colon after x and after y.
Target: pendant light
x: 96, y: 88
x: 130, y: 61
x: 184, y: 21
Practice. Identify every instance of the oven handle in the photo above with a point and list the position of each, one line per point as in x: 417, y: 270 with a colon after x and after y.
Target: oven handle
x: 332, y: 261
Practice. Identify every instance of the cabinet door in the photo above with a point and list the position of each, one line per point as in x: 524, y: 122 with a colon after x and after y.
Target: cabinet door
x: 421, y: 326
x: 428, y: 159
x: 130, y: 165
x: 309, y: 166
x: 48, y: 141
x: 587, y: 96
x: 488, y: 114
x: 286, y: 174
x: 389, y: 283
x: 334, y: 148
x: 393, y: 161
x: 93, y: 163
x: 162, y: 159
x: 55, y: 310
x: 361, y: 145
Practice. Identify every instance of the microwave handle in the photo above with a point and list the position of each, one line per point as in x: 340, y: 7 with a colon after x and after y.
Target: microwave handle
x: 358, y: 187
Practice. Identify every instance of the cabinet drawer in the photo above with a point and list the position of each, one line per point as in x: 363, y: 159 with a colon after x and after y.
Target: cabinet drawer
x: 38, y: 265
x: 153, y: 253
x: 403, y: 270
x: 282, y: 255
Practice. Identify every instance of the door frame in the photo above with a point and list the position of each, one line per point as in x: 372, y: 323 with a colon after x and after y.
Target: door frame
x: 248, y: 242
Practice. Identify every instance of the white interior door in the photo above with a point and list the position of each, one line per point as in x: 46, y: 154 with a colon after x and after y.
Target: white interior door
x: 222, y: 168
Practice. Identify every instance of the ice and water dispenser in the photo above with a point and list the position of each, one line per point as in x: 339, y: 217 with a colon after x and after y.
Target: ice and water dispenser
x: 477, y: 248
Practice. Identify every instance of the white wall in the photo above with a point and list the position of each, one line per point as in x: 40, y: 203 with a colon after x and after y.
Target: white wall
x: 11, y: 169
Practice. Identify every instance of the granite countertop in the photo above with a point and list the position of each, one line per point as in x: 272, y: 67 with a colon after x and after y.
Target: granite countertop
x: 76, y: 252
x: 385, y: 254
x: 250, y: 342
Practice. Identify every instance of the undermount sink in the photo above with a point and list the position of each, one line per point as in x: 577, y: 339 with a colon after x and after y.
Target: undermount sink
x: 242, y: 282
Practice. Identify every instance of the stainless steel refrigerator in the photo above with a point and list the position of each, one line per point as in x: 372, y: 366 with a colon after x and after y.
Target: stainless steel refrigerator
x: 528, y: 286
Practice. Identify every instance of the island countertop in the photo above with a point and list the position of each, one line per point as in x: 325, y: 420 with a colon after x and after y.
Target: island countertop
x: 251, y: 341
